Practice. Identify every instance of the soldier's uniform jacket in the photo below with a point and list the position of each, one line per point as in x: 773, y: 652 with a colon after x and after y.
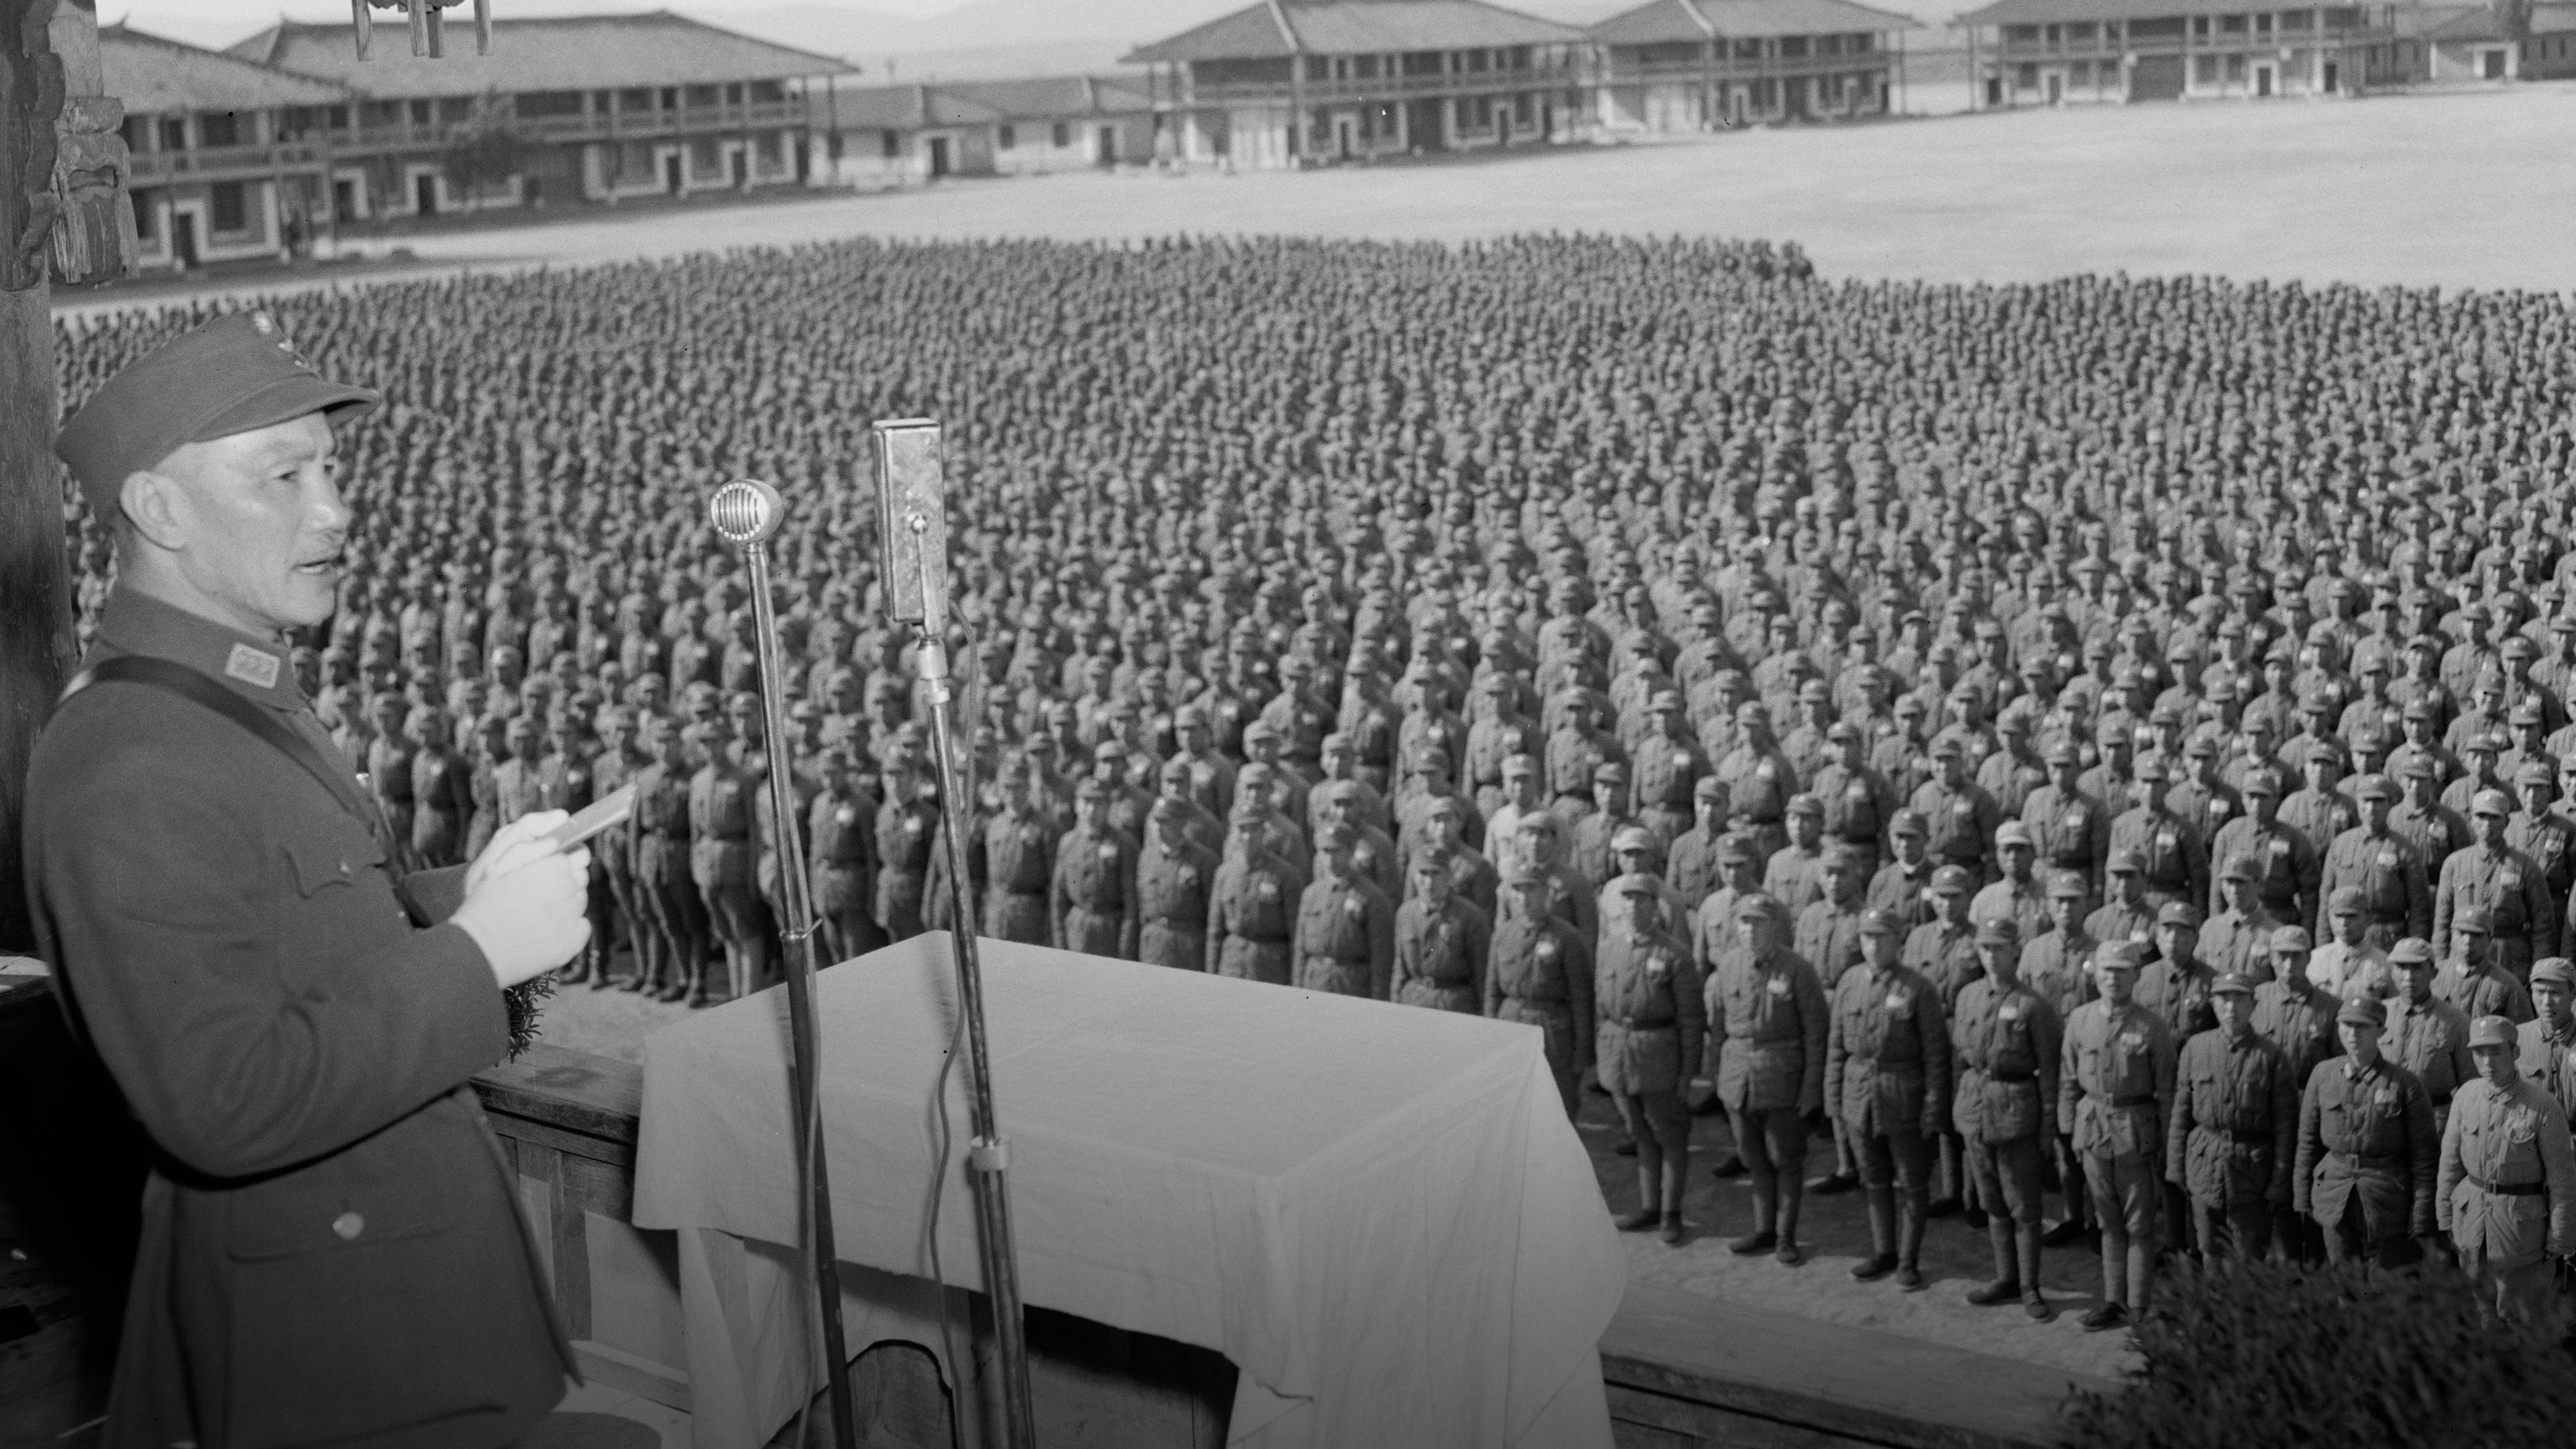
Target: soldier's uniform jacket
x: 1544, y: 966
x: 1946, y: 957
x: 2321, y: 816
x: 1666, y: 772
x: 2173, y: 859
x: 1759, y: 783
x: 1253, y: 918
x: 2390, y: 876
x: 2007, y: 1045
x: 1772, y: 1020
x: 1091, y: 897
x: 2548, y: 844
x: 2059, y: 967
x: 2431, y: 1041
x: 1795, y: 877
x: 1887, y: 1056
x: 2115, y: 921
x: 2023, y: 902
x: 1175, y: 894
x: 2233, y: 1136
x: 2512, y: 887
x: 1440, y: 956
x: 2547, y: 1059
x: 1345, y: 938
x: 2117, y: 1078
x: 2483, y: 991
x: 2234, y: 941
x: 2179, y: 994
x: 2437, y: 832
x: 1898, y: 890
x: 2301, y: 1022
x: 1858, y: 805
x: 1691, y: 868
x: 2070, y: 830
x: 2367, y: 1132
x: 331, y: 1245
x: 1959, y: 824
x: 1828, y: 937
x: 1651, y: 1015
x: 2286, y: 867
x: 1018, y: 853
x: 2508, y: 1175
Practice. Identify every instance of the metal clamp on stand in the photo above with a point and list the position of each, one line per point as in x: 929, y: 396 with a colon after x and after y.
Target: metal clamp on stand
x: 912, y: 542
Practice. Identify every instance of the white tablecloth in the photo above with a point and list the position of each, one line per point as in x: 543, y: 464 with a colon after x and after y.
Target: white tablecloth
x: 1378, y: 1213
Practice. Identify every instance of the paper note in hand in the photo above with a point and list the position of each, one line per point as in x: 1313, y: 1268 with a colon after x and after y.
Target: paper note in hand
x: 608, y: 811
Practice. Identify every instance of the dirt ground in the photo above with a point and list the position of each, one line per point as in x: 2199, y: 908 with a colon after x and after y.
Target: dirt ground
x: 1955, y: 1257
x: 2450, y: 190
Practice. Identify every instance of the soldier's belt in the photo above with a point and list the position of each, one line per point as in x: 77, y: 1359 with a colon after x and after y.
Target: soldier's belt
x: 2507, y: 1189
x: 2015, y: 1076
x: 2441, y: 1099
x: 2260, y: 1137
x: 2388, y: 918
x: 1541, y: 1003
x: 2123, y: 1101
x: 1024, y: 890
x: 1913, y: 1065
x: 1633, y: 1024
x: 2382, y: 1161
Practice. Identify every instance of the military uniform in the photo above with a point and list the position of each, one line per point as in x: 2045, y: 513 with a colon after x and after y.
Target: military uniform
x: 2008, y: 1043
x: 1887, y: 1077
x: 1440, y: 955
x: 1539, y: 972
x: 1345, y: 941
x: 2507, y: 1189
x: 1091, y: 895
x: 2232, y: 1139
x: 2510, y: 885
x: 2396, y: 901
x: 2367, y: 1155
x: 1770, y: 1015
x: 842, y: 828
x: 2116, y: 1086
x: 1253, y: 917
x: 1018, y: 851
x: 1651, y: 1018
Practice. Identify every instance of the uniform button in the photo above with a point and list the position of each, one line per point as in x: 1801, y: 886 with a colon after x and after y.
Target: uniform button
x: 348, y: 1226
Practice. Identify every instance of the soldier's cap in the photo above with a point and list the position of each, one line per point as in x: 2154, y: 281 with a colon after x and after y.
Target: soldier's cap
x: 2491, y: 802
x: 1709, y: 787
x: 2014, y: 722
x: 1907, y: 822
x: 2179, y: 913
x: 1950, y: 880
x: 2421, y: 767
x: 1260, y: 729
x: 2149, y: 770
x: 2519, y: 646
x: 2491, y: 1031
x: 2562, y: 624
x: 2417, y: 708
x: 1610, y: 772
x: 1880, y: 923
x: 1910, y: 704
x: 2473, y: 919
x: 1948, y: 745
x: 1664, y: 700
x: 2375, y: 787
x: 2412, y: 951
x: 2262, y: 782
x: 2117, y: 956
x: 1340, y: 792
x: 1519, y: 767
x: 1335, y: 835
x: 1439, y: 807
x: 1759, y: 907
x: 2362, y: 1011
x: 2165, y: 714
x: 1805, y: 804
x: 1090, y: 788
x: 2525, y: 713
x: 1631, y: 837
x: 2124, y: 862
x: 2201, y: 747
x: 235, y: 374
x: 1752, y: 711
x: 2062, y: 751
x: 2292, y: 938
x: 1188, y: 714
x: 2534, y: 772
x: 1733, y: 850
x: 2345, y: 902
x: 2232, y: 983
x: 2012, y: 832
x: 1168, y: 807
x: 2483, y: 742
x: 1843, y: 732
x: 2555, y: 969
x: 2067, y: 885
x: 1998, y: 931
x: 2238, y: 868
x: 1814, y: 690
x: 2428, y: 643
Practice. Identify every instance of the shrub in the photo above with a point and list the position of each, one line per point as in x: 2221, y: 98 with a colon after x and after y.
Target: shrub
x: 2263, y: 1354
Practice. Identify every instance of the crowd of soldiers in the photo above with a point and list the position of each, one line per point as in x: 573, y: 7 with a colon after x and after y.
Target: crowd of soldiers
x: 2107, y: 740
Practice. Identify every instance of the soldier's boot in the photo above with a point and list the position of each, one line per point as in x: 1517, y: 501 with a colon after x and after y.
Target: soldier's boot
x: 1949, y: 1178
x: 2142, y: 1267
x: 1676, y: 1169
x: 1764, y: 1236
x: 1793, y: 1196
x: 1909, y: 1241
x: 1846, y: 1173
x: 1881, y: 1261
x: 1646, y: 1215
x: 2079, y: 1201
x: 2007, y: 1281
x: 2026, y: 1241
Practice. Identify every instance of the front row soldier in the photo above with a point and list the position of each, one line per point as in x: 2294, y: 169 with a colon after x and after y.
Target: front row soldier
x: 1767, y: 1011
x: 2009, y: 1042
x: 1345, y: 924
x: 2545, y: 1047
x: 1540, y: 973
x: 2232, y: 1138
x: 1652, y: 1018
x: 1887, y: 1079
x: 2368, y: 1149
x: 2116, y: 1087
x: 2507, y: 1187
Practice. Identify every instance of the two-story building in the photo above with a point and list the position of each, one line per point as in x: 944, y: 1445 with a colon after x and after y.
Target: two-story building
x: 2549, y: 47
x: 2446, y: 46
x: 2053, y: 52
x: 900, y: 135
x: 229, y: 157
x: 1290, y: 82
x: 563, y: 110
x: 1672, y: 66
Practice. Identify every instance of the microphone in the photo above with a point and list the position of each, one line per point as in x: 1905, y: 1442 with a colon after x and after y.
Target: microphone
x: 745, y: 513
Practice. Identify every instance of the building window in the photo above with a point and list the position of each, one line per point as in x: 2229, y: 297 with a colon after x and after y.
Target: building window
x: 2028, y: 77
x: 2236, y: 68
x: 231, y: 212
x: 137, y: 133
x: 703, y: 160
x: 893, y: 145
x: 1061, y: 135
x: 147, y: 216
x: 2204, y: 69
x: 1010, y: 137
x: 220, y: 129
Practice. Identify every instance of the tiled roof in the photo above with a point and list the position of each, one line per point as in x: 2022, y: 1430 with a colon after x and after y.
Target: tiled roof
x: 2055, y: 12
x: 1055, y: 96
x: 568, y: 53
x: 903, y: 108
x: 154, y: 76
x: 1665, y: 22
x: 1355, y: 27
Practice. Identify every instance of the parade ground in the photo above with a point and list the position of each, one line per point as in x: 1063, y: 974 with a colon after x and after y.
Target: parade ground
x: 2456, y: 190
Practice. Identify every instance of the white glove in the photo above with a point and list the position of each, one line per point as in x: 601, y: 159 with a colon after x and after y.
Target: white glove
x: 512, y: 846
x: 530, y: 919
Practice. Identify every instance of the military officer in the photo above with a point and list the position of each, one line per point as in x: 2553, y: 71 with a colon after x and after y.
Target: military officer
x: 1253, y: 914
x: 1176, y: 880
x: 2368, y: 1150
x: 1018, y: 844
x: 2117, y: 1082
x: 2506, y: 1194
x: 1539, y: 972
x: 1887, y: 1077
x: 1091, y: 894
x: 1345, y: 940
x: 2232, y: 1139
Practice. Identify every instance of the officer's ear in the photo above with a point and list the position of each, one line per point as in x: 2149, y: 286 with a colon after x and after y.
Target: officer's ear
x: 154, y: 508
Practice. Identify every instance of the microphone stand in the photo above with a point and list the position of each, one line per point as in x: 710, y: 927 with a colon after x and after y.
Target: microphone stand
x: 799, y: 971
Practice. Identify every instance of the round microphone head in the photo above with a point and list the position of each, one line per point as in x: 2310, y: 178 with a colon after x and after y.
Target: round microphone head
x: 746, y: 511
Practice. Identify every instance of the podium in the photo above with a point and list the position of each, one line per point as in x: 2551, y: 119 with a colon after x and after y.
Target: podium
x: 1378, y: 1213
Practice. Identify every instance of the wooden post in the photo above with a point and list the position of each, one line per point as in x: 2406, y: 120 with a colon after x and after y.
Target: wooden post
x: 62, y: 207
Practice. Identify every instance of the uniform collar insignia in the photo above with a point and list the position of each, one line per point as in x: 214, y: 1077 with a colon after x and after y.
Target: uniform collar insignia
x: 254, y: 667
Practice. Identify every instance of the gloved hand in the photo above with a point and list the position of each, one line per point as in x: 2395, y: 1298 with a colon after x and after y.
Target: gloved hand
x: 528, y: 918
x: 512, y: 846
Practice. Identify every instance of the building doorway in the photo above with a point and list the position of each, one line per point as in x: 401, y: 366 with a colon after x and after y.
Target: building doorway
x: 2491, y: 64
x: 1425, y: 127
x: 2262, y: 80
x: 2056, y: 88
x: 1108, y: 138
x: 938, y: 157
x: 1994, y: 90
x: 741, y: 170
x: 671, y: 180
x: 183, y: 238
x: 424, y: 194
x: 344, y: 201
x: 2333, y: 78
x: 1345, y: 138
